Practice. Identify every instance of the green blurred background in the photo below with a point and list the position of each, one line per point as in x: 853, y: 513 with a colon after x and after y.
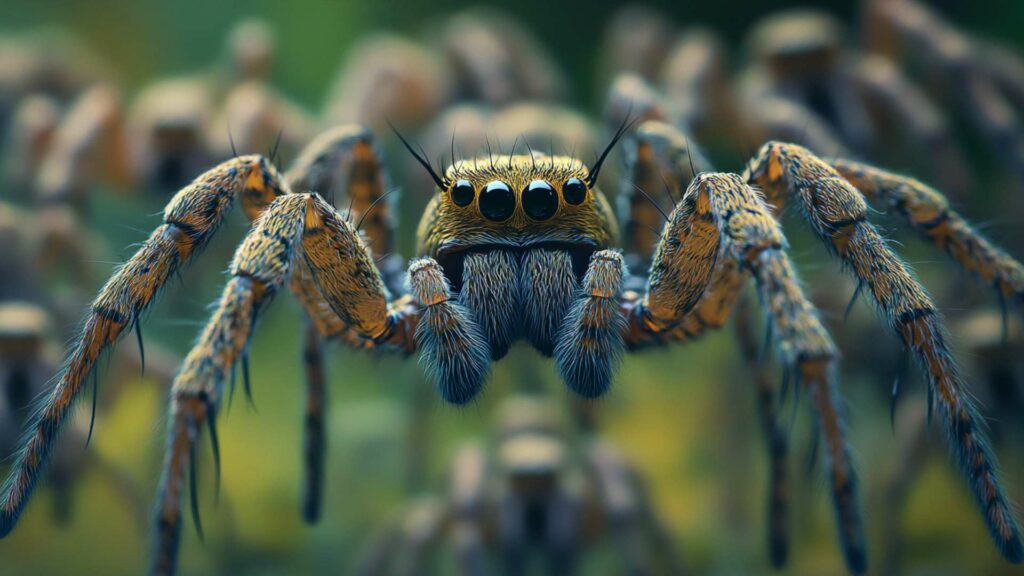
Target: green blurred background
x: 685, y: 415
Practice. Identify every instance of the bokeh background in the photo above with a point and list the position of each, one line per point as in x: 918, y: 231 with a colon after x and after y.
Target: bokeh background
x: 684, y: 415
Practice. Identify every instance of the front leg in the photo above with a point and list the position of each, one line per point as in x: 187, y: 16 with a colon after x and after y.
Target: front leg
x: 293, y: 227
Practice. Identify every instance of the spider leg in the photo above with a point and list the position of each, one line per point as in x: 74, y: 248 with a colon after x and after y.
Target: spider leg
x: 662, y: 163
x: 452, y: 346
x: 741, y: 229
x: 590, y: 343
x: 929, y: 214
x: 696, y: 84
x: 343, y: 167
x: 190, y: 220
x: 660, y: 149
x: 921, y: 123
x: 776, y: 439
x: 314, y: 439
x: 915, y: 28
x: 634, y: 528
x: 778, y: 118
x: 468, y: 484
x: 293, y: 226
x: 838, y: 215
x: 90, y: 143
x: 405, y: 546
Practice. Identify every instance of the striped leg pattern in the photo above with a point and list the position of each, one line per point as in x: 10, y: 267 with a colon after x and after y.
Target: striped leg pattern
x: 837, y: 213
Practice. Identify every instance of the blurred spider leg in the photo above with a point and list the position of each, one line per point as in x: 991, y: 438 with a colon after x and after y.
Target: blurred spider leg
x: 190, y: 220
x: 838, y: 215
x: 341, y: 266
x: 468, y: 487
x: 1006, y: 69
x: 777, y: 118
x: 775, y: 437
x: 417, y: 538
x: 590, y: 343
x: 662, y: 162
x: 620, y: 504
x: 660, y: 535
x: 917, y: 29
x: 90, y: 143
x: 929, y: 214
x: 922, y: 125
x: 314, y: 438
x: 696, y: 84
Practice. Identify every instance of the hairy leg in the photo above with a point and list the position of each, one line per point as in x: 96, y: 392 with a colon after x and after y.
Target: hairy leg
x: 775, y: 437
x: 751, y: 238
x: 190, y: 220
x: 298, y: 225
x: 838, y: 215
x: 929, y: 214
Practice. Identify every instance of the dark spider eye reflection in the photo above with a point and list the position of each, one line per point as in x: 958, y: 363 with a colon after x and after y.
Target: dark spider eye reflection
x: 463, y: 193
x: 575, y: 191
x: 497, y: 202
x: 540, y: 201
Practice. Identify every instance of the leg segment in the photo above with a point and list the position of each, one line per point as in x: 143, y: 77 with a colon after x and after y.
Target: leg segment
x: 314, y: 439
x: 590, y: 343
x: 663, y: 163
x: 190, y: 220
x: 261, y: 266
x: 838, y: 215
x: 805, y: 344
x: 451, y: 345
x: 294, y: 225
x: 752, y: 239
x: 894, y: 99
x: 929, y: 214
x: 775, y: 436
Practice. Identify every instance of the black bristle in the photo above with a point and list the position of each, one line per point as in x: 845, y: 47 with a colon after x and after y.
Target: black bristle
x: 421, y: 158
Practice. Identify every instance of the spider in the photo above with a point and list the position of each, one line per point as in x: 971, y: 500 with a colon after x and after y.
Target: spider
x: 529, y: 495
x: 522, y: 247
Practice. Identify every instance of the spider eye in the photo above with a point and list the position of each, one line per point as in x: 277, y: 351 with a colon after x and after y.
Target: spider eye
x: 540, y: 201
x: 463, y: 193
x: 575, y: 191
x: 497, y: 202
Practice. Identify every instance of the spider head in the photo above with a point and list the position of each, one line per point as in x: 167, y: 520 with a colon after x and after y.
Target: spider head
x: 516, y: 202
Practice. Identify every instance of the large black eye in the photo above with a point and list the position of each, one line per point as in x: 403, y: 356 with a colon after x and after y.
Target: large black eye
x: 540, y: 201
x: 575, y: 191
x: 462, y: 193
x: 497, y: 202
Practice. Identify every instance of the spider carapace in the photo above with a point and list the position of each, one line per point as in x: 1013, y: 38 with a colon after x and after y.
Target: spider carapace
x: 524, y: 247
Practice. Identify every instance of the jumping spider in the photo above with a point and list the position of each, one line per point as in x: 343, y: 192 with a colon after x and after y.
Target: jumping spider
x: 522, y: 247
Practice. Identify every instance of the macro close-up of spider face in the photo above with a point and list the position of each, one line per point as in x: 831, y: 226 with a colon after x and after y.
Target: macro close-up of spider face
x: 533, y: 260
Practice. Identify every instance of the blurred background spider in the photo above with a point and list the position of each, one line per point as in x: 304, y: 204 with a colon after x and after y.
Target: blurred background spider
x: 480, y: 85
x: 529, y: 496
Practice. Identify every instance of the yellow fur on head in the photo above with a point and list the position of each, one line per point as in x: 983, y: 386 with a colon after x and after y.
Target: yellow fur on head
x: 447, y: 227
